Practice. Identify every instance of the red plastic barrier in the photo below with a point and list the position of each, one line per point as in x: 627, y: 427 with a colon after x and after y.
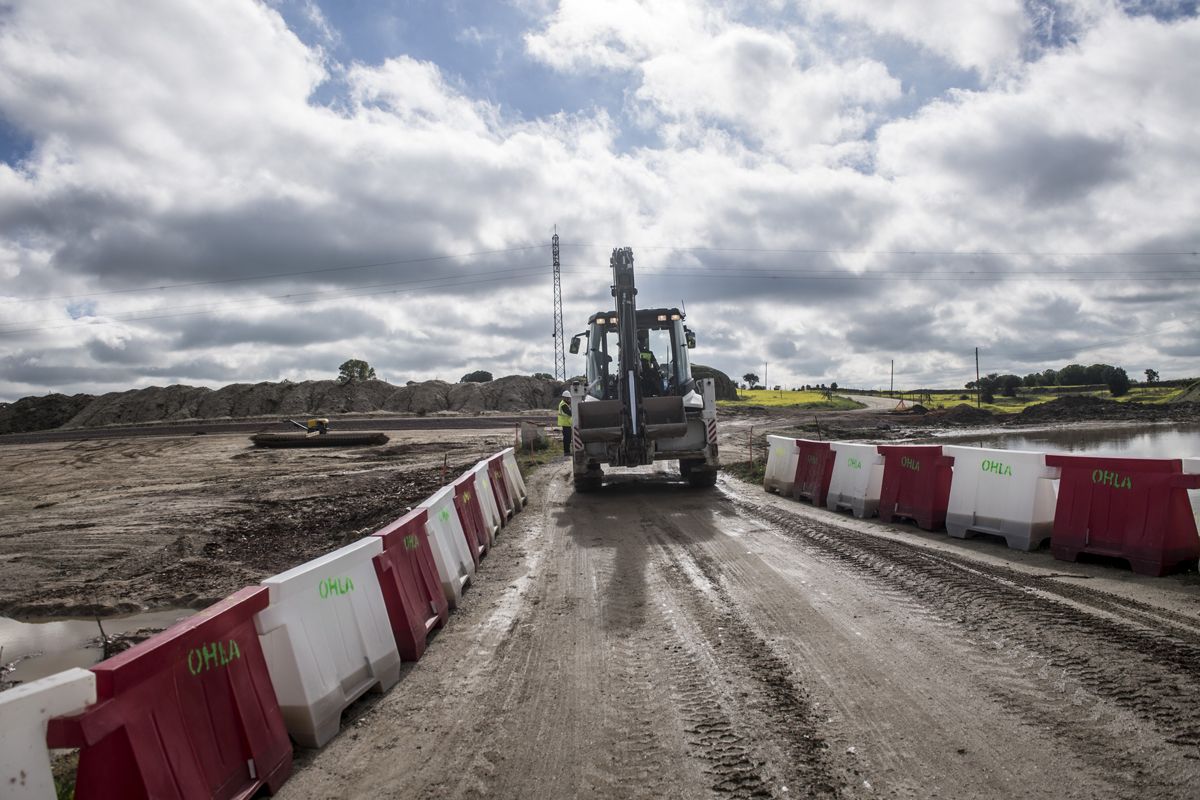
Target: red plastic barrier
x: 470, y: 514
x: 188, y: 713
x: 495, y: 470
x: 916, y: 484
x: 411, y: 588
x: 1131, y: 508
x: 814, y: 471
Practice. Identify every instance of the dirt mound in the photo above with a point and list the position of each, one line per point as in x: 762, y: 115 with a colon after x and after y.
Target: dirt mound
x: 962, y: 414
x: 1189, y: 395
x: 726, y: 388
x: 41, y: 413
x: 1070, y: 408
x: 241, y: 400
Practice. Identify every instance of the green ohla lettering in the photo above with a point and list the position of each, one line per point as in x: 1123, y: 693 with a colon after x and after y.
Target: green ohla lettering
x: 910, y: 463
x: 1113, y: 479
x: 997, y: 468
x: 211, y: 655
x: 854, y: 463
x: 444, y: 515
x: 332, y: 586
x: 411, y: 542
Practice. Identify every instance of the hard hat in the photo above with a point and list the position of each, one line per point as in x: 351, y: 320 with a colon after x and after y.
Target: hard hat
x: 566, y: 393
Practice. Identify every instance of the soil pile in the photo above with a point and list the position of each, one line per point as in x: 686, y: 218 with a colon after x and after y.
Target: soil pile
x: 241, y: 400
x: 1189, y: 395
x: 41, y: 413
x: 1076, y: 408
x: 726, y: 388
x: 962, y: 414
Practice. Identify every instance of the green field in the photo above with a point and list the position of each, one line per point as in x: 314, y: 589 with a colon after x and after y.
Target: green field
x: 946, y: 398
x: 770, y: 398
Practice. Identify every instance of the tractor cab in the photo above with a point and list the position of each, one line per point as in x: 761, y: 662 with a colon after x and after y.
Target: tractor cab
x: 661, y: 353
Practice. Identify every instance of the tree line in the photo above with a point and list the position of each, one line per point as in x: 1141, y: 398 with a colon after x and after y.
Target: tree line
x: 1115, y: 378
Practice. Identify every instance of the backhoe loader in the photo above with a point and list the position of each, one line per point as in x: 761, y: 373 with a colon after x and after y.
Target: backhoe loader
x: 643, y: 406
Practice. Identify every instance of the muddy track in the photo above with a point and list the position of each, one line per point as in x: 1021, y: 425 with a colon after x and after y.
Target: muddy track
x: 1144, y: 660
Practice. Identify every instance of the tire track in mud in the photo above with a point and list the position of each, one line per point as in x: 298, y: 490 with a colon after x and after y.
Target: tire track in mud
x: 765, y: 736
x: 1144, y: 663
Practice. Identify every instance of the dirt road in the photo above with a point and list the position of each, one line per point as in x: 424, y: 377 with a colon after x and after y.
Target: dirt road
x: 649, y: 641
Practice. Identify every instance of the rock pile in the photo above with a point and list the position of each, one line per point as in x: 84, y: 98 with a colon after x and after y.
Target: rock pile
x: 241, y: 400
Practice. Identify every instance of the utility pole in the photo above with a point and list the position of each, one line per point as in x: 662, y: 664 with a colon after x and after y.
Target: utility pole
x: 977, y: 395
x: 765, y: 384
x: 892, y: 378
x: 560, y: 347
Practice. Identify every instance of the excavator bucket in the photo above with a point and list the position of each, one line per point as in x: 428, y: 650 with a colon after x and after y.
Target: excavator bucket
x: 665, y: 417
x: 600, y: 421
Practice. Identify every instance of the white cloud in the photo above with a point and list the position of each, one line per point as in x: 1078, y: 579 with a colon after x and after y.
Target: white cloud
x: 984, y: 35
x: 180, y: 143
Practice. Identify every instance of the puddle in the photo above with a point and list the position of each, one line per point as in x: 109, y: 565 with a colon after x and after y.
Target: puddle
x: 42, y: 648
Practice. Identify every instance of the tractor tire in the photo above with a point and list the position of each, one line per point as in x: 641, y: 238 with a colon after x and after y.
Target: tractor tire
x: 702, y: 478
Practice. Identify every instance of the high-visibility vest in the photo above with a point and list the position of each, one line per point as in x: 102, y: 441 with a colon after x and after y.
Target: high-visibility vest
x: 564, y: 414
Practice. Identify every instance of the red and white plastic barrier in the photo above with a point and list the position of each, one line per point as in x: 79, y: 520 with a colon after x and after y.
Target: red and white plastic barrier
x: 327, y: 639
x: 857, y: 479
x: 1009, y: 493
x: 190, y: 712
x: 409, y: 580
x: 516, y: 483
x: 451, y: 550
x: 488, y: 506
x: 781, y: 465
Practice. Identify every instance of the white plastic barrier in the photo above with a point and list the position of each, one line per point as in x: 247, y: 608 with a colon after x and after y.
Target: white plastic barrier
x: 781, y: 464
x: 327, y: 639
x: 1009, y: 493
x: 487, y: 501
x: 1192, y: 465
x: 26, y: 711
x: 857, y: 479
x: 498, y: 480
x: 449, y: 544
x: 516, y: 483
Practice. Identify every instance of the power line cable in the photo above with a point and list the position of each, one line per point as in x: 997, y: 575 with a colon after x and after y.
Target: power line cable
x: 271, y: 275
x: 286, y: 299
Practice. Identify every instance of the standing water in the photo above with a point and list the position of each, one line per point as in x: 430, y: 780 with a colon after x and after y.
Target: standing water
x: 38, y: 649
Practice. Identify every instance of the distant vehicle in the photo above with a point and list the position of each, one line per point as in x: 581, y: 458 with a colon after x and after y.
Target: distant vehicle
x: 648, y: 408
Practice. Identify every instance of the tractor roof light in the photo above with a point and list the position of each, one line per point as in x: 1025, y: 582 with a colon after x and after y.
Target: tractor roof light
x: 673, y: 316
x: 662, y: 317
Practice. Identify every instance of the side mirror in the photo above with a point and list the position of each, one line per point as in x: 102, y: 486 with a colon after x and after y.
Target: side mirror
x: 575, y: 345
x: 691, y: 340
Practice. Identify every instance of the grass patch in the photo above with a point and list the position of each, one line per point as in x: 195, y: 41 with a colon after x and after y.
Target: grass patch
x: 1015, y: 405
x: 769, y: 398
x: 744, y: 470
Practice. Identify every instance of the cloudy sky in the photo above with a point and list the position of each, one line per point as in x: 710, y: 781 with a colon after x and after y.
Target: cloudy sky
x: 217, y: 191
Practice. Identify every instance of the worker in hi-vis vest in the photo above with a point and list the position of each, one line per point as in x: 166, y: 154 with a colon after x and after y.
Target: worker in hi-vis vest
x: 564, y: 421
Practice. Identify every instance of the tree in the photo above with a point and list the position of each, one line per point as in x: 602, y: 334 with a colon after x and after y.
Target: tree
x: 354, y: 370
x: 1049, y: 377
x: 478, y: 376
x: 1032, y: 379
x: 1118, y: 382
x: 750, y: 378
x: 833, y: 386
x: 546, y: 376
x: 1072, y: 375
x: 1151, y: 376
x: 1009, y: 384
